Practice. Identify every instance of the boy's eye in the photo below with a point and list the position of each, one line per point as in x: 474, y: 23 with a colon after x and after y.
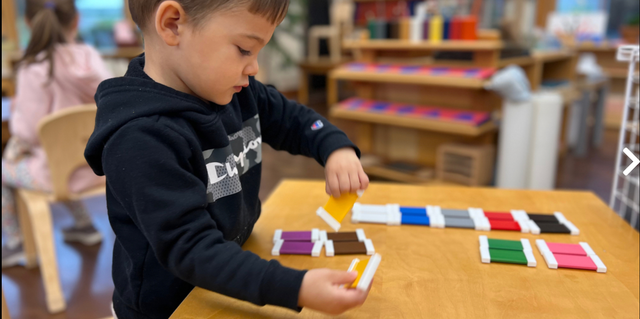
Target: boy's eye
x: 244, y: 52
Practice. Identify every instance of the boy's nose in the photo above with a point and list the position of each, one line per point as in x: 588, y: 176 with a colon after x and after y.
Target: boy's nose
x: 252, y: 69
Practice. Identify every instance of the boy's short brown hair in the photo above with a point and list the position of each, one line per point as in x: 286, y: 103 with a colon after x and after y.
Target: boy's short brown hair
x: 272, y: 10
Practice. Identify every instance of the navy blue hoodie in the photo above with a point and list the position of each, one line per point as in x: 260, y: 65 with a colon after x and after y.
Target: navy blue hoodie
x: 183, y: 177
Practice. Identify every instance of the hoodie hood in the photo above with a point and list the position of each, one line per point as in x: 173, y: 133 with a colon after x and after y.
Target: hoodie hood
x: 141, y: 97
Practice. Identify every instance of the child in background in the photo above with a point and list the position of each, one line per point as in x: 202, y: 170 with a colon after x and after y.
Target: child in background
x: 179, y: 139
x: 54, y: 73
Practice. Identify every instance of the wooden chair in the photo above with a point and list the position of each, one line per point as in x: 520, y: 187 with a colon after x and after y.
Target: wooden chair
x: 5, y: 309
x: 341, y: 18
x: 63, y: 135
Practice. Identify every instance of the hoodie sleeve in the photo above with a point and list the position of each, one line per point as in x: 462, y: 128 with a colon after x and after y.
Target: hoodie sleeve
x: 287, y: 125
x: 149, y: 172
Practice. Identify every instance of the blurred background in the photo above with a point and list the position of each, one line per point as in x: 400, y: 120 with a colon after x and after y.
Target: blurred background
x: 521, y: 94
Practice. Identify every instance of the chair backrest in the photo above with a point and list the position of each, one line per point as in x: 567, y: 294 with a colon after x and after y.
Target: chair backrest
x: 341, y: 13
x: 63, y: 136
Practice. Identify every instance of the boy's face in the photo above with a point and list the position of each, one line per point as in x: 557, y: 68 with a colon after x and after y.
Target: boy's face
x: 222, y: 52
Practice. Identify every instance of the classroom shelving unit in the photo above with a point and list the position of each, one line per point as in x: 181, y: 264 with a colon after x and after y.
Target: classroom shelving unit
x: 415, y: 140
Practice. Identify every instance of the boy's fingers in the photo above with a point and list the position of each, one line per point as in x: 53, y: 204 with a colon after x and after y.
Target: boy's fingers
x: 364, y: 179
x: 355, y: 182
x: 334, y: 186
x: 340, y: 277
x: 345, y: 185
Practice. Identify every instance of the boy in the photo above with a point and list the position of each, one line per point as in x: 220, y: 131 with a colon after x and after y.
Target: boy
x: 179, y: 137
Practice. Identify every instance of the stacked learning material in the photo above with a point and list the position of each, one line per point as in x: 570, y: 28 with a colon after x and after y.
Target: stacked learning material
x: 471, y: 118
x: 576, y: 256
x: 348, y: 243
x: 506, y: 251
x: 297, y: 243
x: 474, y: 73
x: 473, y: 218
x: 366, y: 269
x: 311, y: 243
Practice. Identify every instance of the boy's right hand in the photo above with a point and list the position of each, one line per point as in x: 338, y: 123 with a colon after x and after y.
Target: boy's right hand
x: 322, y: 290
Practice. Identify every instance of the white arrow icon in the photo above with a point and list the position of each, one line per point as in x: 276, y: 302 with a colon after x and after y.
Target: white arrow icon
x: 634, y: 161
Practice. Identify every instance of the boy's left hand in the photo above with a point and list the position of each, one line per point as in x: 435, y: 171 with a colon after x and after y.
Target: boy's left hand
x: 343, y: 173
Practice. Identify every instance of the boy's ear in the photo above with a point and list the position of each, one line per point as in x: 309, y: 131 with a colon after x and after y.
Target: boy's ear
x: 170, y: 22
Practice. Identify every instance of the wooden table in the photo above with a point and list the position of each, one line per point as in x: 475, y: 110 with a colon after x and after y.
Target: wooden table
x: 437, y: 273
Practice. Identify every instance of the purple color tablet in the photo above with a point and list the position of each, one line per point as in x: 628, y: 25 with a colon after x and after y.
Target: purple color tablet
x: 296, y: 248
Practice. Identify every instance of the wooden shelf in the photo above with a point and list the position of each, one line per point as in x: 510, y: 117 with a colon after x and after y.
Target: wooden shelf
x: 616, y: 73
x: 452, y: 45
x: 597, y: 47
x: 394, y: 175
x: 420, y: 79
x: 521, y: 61
x: 412, y: 122
x: 552, y: 56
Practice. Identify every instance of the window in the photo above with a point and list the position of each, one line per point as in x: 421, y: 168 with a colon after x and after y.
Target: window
x: 97, y: 18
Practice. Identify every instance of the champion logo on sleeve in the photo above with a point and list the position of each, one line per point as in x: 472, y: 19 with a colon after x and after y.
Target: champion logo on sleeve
x: 317, y: 125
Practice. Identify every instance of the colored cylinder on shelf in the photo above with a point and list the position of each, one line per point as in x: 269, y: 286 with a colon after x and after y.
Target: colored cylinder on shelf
x: 392, y: 30
x: 416, y: 28
x: 468, y: 30
x: 373, y: 29
x: 377, y: 29
x: 435, y: 29
x: 454, y: 29
x: 425, y: 29
x: 446, y: 29
x: 382, y: 29
x: 403, y: 29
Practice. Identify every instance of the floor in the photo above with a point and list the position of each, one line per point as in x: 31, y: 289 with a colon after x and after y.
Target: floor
x: 86, y: 271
